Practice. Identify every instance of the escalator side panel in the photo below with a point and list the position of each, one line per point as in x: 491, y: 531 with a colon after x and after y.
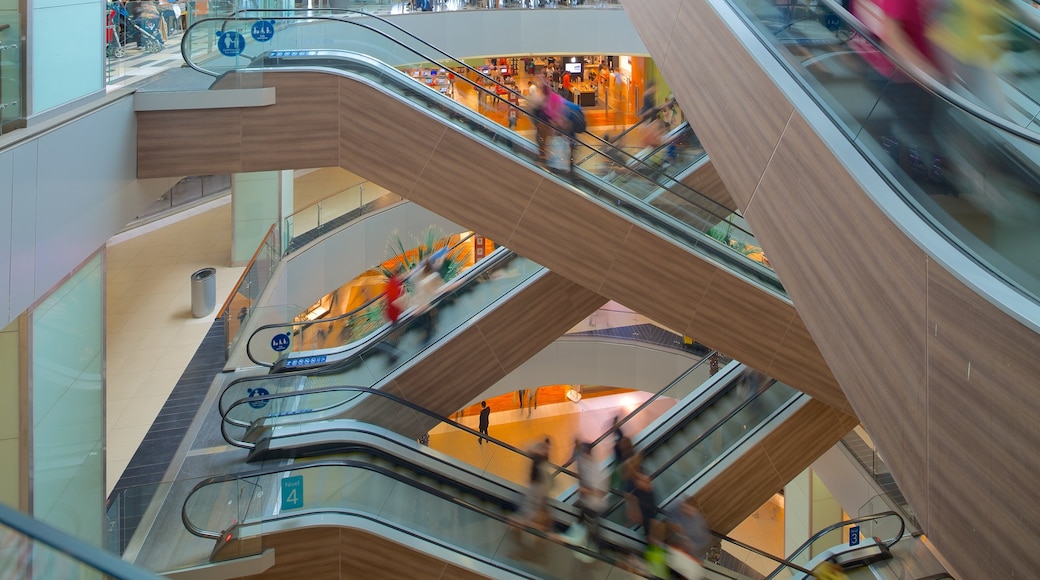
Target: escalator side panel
x: 339, y: 552
x: 706, y: 180
x: 897, y: 327
x: 490, y: 349
x: 764, y: 469
x: 437, y: 166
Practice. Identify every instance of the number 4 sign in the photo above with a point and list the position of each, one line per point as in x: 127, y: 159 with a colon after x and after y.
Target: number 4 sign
x: 292, y: 492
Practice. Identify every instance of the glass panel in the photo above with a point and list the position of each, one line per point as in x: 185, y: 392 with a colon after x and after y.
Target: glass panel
x: 378, y: 357
x: 12, y: 71
x: 68, y: 399
x: 676, y: 460
x: 973, y: 175
x: 251, y: 285
x: 454, y: 517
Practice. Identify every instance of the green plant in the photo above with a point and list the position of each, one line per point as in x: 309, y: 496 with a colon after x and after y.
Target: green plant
x: 426, y: 243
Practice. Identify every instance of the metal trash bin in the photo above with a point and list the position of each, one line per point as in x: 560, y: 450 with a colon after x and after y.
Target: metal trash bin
x: 203, y: 292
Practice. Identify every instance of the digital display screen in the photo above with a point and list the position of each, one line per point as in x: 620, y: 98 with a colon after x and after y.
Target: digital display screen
x: 572, y: 67
x: 504, y: 70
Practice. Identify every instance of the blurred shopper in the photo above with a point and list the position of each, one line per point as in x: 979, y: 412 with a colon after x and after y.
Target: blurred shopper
x: 592, y: 490
x: 534, y: 511
x: 537, y: 90
x: 688, y: 530
x: 427, y: 284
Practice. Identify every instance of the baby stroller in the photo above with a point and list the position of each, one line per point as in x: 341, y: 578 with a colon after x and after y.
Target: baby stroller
x: 122, y: 28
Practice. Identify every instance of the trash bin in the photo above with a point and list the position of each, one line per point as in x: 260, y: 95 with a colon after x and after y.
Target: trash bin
x: 203, y: 292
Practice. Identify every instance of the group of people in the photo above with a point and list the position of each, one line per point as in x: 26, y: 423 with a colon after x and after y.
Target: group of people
x: 676, y: 539
x: 557, y: 123
x: 427, y: 282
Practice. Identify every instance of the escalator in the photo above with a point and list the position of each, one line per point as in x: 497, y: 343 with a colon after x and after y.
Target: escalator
x: 348, y: 333
x: 399, y: 356
x: 374, y: 476
x: 884, y: 222
x: 681, y: 230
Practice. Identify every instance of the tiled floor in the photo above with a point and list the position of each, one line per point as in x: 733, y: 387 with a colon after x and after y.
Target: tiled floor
x: 151, y: 334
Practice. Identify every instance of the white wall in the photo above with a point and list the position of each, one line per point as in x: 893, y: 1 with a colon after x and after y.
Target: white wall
x: 63, y: 193
x: 562, y: 31
x: 472, y: 33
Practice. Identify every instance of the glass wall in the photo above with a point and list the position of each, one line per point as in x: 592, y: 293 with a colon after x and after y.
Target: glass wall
x: 12, y: 72
x: 68, y: 59
x: 68, y: 397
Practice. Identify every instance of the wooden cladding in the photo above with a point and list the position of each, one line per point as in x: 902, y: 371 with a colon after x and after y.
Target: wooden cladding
x: 944, y: 381
x: 321, y: 119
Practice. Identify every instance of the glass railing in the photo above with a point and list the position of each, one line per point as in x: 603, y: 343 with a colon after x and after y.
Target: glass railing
x: 889, y: 523
x: 634, y: 188
x: 497, y: 458
x: 384, y: 352
x: 282, y: 344
x: 971, y: 173
x: 12, y: 70
x: 145, y: 525
x: 463, y: 520
x: 658, y: 405
x: 31, y: 549
x: 331, y: 212
x: 677, y: 459
x: 243, y: 298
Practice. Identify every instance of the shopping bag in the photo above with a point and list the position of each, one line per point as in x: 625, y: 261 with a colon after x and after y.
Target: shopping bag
x: 559, y: 153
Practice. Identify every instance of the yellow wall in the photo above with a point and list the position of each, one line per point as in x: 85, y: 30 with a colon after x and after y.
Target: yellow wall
x: 9, y: 416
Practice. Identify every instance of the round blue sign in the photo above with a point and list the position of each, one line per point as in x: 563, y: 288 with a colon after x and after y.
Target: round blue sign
x: 231, y: 43
x: 262, y: 30
x: 280, y: 342
x: 258, y: 393
x: 832, y: 22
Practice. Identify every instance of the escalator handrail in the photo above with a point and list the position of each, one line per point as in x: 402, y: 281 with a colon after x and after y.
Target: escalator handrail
x: 74, y: 549
x: 696, y: 441
x: 930, y: 84
x: 645, y: 170
x: 650, y: 400
x: 521, y: 452
x: 363, y: 345
x: 197, y: 531
x: 839, y: 525
x: 306, y: 323
x: 395, y: 399
x: 639, y: 211
x: 718, y: 425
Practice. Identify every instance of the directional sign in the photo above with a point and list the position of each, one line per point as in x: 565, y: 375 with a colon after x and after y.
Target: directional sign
x: 306, y: 361
x: 263, y: 30
x: 230, y: 43
x: 854, y: 536
x: 292, y: 492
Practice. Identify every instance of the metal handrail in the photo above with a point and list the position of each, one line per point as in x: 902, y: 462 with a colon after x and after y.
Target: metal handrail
x: 302, y: 324
x: 842, y: 524
x: 108, y: 564
x: 197, y: 531
x: 617, y: 426
x: 639, y: 166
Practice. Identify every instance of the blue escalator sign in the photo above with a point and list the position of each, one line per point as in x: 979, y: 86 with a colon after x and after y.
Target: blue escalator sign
x: 306, y: 361
x: 280, y: 342
x: 263, y: 30
x: 854, y: 536
x: 231, y: 43
x: 292, y: 492
x: 258, y: 393
x: 832, y: 22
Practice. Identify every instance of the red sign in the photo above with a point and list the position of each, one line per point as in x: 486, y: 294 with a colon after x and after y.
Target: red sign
x: 478, y: 248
